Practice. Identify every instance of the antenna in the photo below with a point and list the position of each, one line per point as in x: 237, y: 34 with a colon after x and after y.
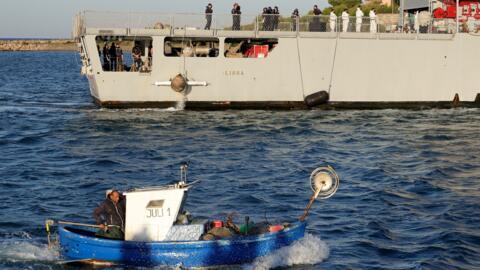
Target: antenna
x: 183, y: 172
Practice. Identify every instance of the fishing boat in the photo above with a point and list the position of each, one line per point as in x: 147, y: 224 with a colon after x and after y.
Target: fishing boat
x: 153, y: 236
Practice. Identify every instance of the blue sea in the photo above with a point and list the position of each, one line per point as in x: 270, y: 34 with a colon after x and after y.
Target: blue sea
x: 409, y: 196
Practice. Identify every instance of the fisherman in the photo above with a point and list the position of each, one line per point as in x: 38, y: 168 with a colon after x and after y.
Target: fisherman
x: 295, y: 16
x: 359, y: 17
x: 110, y: 216
x: 373, y: 21
x: 345, y: 20
x: 236, y: 13
x: 208, y: 16
x: 333, y: 21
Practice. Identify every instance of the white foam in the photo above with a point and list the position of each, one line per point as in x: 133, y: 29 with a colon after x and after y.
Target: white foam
x: 20, y: 250
x: 309, y: 250
x: 180, y: 106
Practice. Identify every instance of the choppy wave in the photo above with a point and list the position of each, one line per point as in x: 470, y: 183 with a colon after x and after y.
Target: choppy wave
x: 409, y: 188
x: 16, y: 250
x: 308, y: 251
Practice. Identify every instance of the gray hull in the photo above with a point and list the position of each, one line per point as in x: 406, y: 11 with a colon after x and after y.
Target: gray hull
x: 358, y: 70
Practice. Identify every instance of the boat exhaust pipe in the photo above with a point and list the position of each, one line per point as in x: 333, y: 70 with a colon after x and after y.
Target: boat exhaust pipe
x: 324, y: 182
x: 317, y: 98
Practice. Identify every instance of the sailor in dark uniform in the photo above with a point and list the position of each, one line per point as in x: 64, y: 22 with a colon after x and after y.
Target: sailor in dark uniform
x: 236, y: 13
x: 295, y: 16
x: 208, y: 16
x: 276, y: 18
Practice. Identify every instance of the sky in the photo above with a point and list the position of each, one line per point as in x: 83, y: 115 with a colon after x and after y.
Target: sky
x: 53, y: 18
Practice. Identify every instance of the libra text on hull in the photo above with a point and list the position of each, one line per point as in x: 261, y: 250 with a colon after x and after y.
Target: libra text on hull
x: 162, y: 60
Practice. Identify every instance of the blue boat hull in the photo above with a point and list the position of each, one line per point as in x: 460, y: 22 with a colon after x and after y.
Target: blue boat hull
x: 77, y: 244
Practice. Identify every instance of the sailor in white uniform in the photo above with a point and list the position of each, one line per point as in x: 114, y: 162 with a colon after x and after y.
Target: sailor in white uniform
x: 345, y: 21
x: 416, y: 23
x: 373, y: 21
x: 333, y: 21
x: 358, y: 23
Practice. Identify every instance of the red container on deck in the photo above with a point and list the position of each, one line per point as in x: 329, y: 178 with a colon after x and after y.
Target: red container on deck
x: 217, y: 224
x: 276, y: 228
x: 258, y: 51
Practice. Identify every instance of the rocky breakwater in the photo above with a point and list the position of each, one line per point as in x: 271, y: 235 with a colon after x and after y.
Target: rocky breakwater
x: 38, y: 45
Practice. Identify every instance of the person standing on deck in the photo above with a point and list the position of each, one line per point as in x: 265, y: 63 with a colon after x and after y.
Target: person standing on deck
x: 359, y: 18
x: 345, y: 20
x: 110, y: 216
x: 295, y: 16
x: 119, y: 53
x: 106, y: 58
x: 264, y: 18
x: 276, y: 18
x: 113, y: 57
x: 236, y: 13
x: 416, y: 23
x: 373, y: 21
x: 333, y: 21
x: 315, y: 25
x: 269, y: 20
x: 208, y: 16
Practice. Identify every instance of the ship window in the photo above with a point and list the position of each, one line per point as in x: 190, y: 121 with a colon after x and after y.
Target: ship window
x: 191, y: 47
x: 155, y: 204
x: 125, y: 53
x: 249, y: 47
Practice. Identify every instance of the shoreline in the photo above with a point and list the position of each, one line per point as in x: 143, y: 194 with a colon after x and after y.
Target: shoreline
x: 28, y: 45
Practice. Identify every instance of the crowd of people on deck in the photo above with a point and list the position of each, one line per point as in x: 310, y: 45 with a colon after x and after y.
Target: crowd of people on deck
x: 271, y: 19
x: 113, y: 58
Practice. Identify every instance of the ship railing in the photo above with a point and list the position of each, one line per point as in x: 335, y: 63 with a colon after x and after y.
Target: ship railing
x: 275, y: 22
x: 442, y: 26
x: 252, y: 23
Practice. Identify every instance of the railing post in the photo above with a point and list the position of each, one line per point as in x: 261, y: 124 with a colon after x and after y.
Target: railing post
x: 457, y: 15
x: 297, y: 23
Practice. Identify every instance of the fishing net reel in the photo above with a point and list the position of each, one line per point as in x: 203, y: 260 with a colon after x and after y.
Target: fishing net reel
x: 324, y: 182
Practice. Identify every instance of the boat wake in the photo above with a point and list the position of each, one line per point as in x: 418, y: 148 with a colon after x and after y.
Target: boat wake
x: 25, y: 250
x: 309, y: 250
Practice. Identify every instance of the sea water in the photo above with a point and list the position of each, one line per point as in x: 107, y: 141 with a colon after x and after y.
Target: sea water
x: 409, y: 196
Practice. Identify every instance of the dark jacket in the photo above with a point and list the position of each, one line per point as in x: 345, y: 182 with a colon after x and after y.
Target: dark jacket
x: 110, y: 213
x: 208, y: 10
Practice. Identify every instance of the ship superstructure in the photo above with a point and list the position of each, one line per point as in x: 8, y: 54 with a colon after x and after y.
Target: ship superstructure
x: 161, y: 60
